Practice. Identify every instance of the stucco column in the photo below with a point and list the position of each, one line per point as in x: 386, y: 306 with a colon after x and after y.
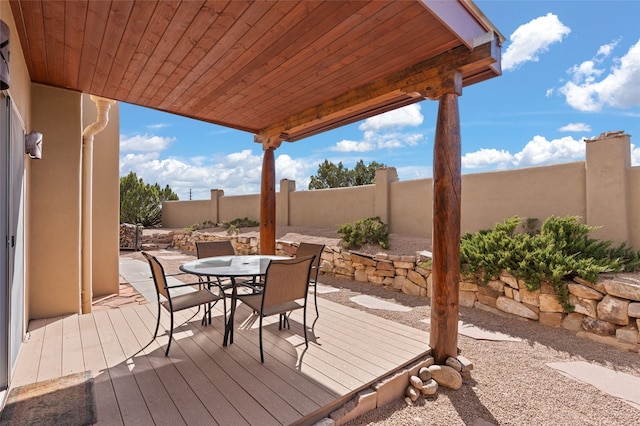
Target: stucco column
x: 608, y: 162
x: 446, y: 226
x: 282, y: 202
x: 215, y: 204
x: 382, y: 198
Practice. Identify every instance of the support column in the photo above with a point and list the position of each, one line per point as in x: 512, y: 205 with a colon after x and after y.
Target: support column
x: 446, y: 226
x: 268, y: 196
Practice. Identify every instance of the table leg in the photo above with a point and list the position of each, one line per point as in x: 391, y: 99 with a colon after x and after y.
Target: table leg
x: 228, y: 330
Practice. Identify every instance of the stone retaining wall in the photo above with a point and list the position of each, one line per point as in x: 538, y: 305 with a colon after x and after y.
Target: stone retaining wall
x: 606, y: 311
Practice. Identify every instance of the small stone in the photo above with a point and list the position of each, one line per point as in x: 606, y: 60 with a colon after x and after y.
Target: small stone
x: 415, y: 381
x: 466, y: 364
x: 430, y: 387
x: 602, y: 328
x: 412, y: 393
x: 446, y: 376
x: 424, y: 374
x: 613, y: 309
x: 454, y: 363
x: 408, y: 401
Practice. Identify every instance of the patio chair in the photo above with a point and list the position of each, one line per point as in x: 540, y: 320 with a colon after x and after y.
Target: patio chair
x: 223, y: 248
x: 285, y: 289
x: 191, y: 299
x: 308, y: 249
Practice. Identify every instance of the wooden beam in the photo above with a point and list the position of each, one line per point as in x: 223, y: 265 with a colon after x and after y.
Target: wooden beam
x: 446, y: 227
x: 410, y: 82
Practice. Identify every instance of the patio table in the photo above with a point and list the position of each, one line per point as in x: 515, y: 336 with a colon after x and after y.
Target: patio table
x: 232, y: 267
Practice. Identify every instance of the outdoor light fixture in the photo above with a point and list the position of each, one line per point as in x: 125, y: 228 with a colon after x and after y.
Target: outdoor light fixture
x: 33, y: 145
x: 4, y: 56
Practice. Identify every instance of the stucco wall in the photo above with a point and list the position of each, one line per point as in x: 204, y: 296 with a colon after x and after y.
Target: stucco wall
x: 538, y: 192
x: 603, y: 191
x: 179, y: 214
x: 53, y: 256
x: 331, y: 207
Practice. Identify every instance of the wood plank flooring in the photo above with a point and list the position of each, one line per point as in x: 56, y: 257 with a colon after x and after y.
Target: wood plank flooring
x: 202, y: 382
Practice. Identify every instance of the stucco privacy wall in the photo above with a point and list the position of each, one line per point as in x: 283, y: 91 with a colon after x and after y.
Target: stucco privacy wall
x: 603, y: 191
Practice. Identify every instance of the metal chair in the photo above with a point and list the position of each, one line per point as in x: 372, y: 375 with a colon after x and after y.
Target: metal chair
x: 197, y: 297
x: 286, y: 284
x: 308, y: 249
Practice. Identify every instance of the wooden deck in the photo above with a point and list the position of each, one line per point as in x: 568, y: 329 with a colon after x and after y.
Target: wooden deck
x: 201, y: 382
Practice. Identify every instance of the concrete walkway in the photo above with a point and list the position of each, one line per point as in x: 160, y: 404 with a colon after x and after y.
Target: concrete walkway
x: 138, y: 274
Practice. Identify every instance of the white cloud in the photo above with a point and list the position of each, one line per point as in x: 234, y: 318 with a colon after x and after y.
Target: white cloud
x: 575, y: 127
x: 635, y: 155
x: 145, y: 143
x: 528, y: 41
x: 619, y: 88
x: 540, y: 151
x: 385, y: 131
x: 157, y: 126
x: 606, y: 49
x: 353, y: 146
x: 537, y: 152
x: 409, y: 115
x: 237, y: 173
x: 486, y: 157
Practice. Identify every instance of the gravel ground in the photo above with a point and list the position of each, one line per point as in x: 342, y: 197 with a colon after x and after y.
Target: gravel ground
x: 511, y: 383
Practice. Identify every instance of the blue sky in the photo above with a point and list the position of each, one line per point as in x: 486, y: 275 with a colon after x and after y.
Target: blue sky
x: 571, y: 70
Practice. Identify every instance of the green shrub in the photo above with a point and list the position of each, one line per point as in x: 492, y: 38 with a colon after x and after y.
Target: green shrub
x: 365, y: 231
x: 560, y: 251
x: 204, y: 225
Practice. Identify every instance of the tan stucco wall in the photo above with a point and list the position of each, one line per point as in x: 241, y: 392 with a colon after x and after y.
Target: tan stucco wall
x: 537, y: 192
x: 53, y: 256
x: 180, y: 214
x: 331, y: 207
x: 411, y: 207
x: 633, y: 179
x: 106, y: 199
x: 239, y: 206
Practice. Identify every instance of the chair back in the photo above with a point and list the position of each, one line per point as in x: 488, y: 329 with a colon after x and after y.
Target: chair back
x: 308, y: 249
x: 159, y: 278
x: 287, y: 280
x: 214, y: 248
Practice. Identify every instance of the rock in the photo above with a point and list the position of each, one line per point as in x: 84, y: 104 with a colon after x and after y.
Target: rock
x: 446, y: 376
x: 628, y: 333
x: 416, y: 278
x: 624, y: 289
x: 613, y: 310
x: 509, y: 279
x: 430, y: 387
x: 573, y: 321
x: 467, y: 286
x: 549, y: 303
x: 634, y: 310
x: 584, y: 306
x: 467, y: 299
x: 597, y: 326
x: 424, y: 374
x: 466, y: 364
x: 553, y: 319
x: 408, y: 400
x: 412, y: 393
x: 530, y: 297
x: 596, y: 286
x: 511, y: 306
x: 454, y: 363
x: 415, y: 381
x: 496, y: 285
x: 584, y: 292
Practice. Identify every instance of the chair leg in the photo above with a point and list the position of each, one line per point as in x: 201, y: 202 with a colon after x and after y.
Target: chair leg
x: 155, y: 333
x: 261, y: 352
x: 170, y: 336
x: 304, y: 322
x: 315, y: 297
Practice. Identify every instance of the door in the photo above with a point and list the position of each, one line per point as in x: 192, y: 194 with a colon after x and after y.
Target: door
x: 12, y: 243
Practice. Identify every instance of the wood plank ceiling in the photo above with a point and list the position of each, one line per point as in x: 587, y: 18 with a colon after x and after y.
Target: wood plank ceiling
x: 284, y: 68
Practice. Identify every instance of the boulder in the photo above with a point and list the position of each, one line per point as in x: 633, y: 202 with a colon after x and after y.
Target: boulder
x: 446, y: 376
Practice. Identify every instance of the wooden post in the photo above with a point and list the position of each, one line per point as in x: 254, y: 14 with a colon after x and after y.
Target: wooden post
x: 446, y: 228
x: 268, y: 197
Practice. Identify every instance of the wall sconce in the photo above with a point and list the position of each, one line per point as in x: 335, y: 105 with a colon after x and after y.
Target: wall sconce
x: 33, y: 145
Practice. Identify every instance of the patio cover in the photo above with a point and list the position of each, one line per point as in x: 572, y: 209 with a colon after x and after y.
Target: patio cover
x: 281, y: 70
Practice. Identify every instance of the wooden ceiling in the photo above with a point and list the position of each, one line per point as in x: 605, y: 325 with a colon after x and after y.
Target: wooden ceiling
x: 285, y: 69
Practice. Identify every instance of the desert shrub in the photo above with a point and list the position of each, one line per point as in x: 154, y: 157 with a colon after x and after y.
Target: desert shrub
x: 204, y: 225
x: 365, y: 231
x: 560, y: 251
x: 233, y: 226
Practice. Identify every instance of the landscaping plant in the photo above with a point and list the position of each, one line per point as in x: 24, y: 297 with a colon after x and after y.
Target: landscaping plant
x: 365, y: 231
x: 560, y: 251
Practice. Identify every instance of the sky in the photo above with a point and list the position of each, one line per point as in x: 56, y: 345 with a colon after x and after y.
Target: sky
x: 570, y: 71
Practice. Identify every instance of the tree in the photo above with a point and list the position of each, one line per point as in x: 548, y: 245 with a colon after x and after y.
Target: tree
x: 140, y: 202
x: 337, y: 176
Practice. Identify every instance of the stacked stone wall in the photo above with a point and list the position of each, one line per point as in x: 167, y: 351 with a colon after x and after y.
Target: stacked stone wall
x: 606, y: 311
